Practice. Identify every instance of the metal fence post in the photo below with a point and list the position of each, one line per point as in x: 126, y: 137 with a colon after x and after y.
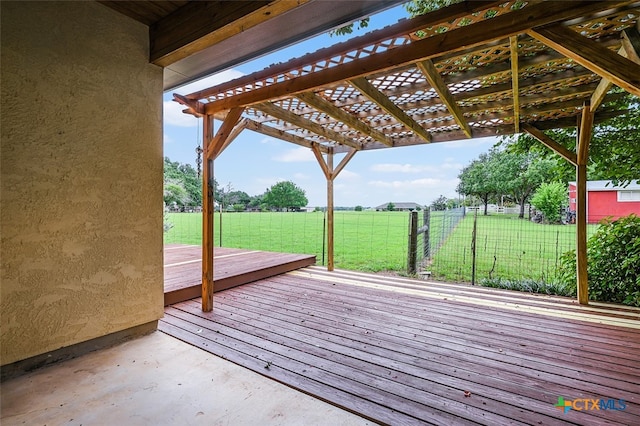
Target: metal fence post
x: 426, y: 239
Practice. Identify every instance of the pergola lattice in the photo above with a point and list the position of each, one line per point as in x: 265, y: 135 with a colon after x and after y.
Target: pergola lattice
x: 474, y: 69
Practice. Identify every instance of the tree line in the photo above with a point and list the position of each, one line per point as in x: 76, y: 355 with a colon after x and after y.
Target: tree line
x: 183, y: 189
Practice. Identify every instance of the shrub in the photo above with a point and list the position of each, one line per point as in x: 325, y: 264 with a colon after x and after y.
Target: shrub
x: 613, y: 262
x: 358, y: 208
x: 549, y: 198
x: 531, y: 286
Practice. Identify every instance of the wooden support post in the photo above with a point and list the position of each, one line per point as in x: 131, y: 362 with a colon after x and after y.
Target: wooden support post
x: 412, y: 250
x: 584, y: 136
x: 207, y: 218
x: 330, y: 260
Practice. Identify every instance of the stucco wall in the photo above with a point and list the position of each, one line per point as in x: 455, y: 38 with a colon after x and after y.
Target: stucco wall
x: 81, y: 176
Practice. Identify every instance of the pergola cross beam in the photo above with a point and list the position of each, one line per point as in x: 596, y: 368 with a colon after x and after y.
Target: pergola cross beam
x: 369, y: 90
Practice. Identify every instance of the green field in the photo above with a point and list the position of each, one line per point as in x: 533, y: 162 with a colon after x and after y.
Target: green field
x: 377, y: 241
x: 506, y: 247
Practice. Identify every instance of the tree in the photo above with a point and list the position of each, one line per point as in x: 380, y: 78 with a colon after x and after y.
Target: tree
x: 358, y: 208
x: 550, y: 198
x: 439, y: 203
x: 480, y: 178
x: 181, y: 184
x: 520, y: 174
x: 614, y: 152
x: 391, y: 207
x: 285, y: 194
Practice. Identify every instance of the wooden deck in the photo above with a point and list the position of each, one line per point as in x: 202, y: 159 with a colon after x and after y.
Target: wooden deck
x: 400, y: 351
x: 233, y: 267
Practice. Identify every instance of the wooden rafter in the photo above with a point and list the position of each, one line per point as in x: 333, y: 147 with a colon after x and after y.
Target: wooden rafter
x: 431, y: 47
x: 551, y: 144
x: 200, y: 24
x: 401, y: 29
x: 629, y: 49
x: 370, y: 91
x: 320, y: 158
x: 435, y: 80
x: 280, y: 134
x: 235, y: 132
x: 328, y: 108
x: 607, y: 64
x: 515, y: 72
x: 343, y: 162
x: 309, y: 125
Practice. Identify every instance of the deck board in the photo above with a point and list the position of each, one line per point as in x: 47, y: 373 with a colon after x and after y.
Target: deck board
x: 232, y: 267
x: 401, y: 351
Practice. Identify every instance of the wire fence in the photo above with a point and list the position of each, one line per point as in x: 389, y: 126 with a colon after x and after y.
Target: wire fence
x: 505, y: 247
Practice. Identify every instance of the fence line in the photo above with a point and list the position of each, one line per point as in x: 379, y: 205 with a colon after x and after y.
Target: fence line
x: 506, y: 247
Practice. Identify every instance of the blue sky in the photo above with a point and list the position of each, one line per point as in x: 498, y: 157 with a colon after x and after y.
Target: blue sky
x: 253, y: 162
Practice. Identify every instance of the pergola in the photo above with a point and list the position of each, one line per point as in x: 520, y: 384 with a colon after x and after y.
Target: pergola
x: 471, y: 70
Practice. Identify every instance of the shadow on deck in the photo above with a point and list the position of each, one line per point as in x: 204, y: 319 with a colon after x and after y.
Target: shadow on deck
x: 401, y: 351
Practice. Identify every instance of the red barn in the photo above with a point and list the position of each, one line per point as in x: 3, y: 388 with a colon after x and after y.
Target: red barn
x: 606, y: 200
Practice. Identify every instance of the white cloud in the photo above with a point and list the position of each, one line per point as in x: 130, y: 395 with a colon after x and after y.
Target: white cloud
x: 268, y: 140
x: 348, y: 175
x: 301, y: 176
x: 167, y: 139
x: 416, y: 168
x: 296, y: 155
x: 414, y: 184
x: 174, y: 116
x: 212, y: 80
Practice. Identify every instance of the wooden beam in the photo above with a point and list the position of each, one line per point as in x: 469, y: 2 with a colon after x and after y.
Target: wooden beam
x: 551, y: 144
x: 330, y: 216
x: 631, y: 42
x: 194, y: 107
x: 432, y: 75
x: 401, y: 29
x: 629, y: 49
x: 607, y: 64
x: 320, y: 158
x: 376, y: 96
x: 201, y: 24
x: 280, y: 134
x: 584, y: 134
x: 207, y: 218
x: 220, y: 140
x: 583, y: 138
x: 328, y: 108
x: 309, y: 125
x: 235, y: 132
x: 476, y: 34
x: 515, y: 71
x: 343, y: 162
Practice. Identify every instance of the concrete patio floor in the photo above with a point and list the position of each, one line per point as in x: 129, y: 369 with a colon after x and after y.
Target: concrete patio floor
x: 158, y: 380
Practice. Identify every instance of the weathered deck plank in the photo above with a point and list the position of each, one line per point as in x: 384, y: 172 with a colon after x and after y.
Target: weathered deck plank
x: 401, y: 351
x: 232, y: 267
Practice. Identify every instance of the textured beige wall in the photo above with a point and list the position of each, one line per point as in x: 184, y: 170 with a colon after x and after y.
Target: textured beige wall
x: 81, y: 176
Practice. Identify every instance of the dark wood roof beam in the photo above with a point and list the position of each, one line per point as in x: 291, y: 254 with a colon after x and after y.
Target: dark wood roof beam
x: 370, y: 91
x: 619, y: 70
x: 343, y: 116
x: 200, y: 24
x: 435, y: 80
x: 309, y: 125
x: 473, y: 35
